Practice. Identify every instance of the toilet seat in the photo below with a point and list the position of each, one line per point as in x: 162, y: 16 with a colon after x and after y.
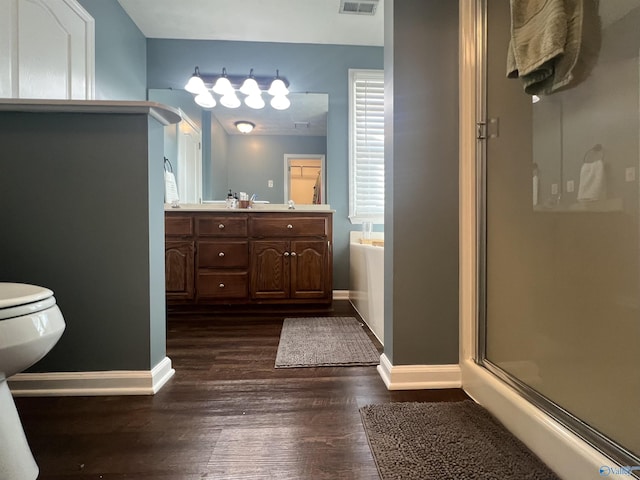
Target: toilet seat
x: 17, y: 299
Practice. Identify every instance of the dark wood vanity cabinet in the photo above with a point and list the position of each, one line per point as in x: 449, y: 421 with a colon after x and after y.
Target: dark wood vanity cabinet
x: 290, y: 257
x: 222, y: 258
x: 250, y: 258
x: 179, y: 255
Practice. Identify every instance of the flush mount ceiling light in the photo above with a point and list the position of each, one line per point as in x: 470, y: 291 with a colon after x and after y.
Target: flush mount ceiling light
x: 229, y: 86
x: 244, y: 127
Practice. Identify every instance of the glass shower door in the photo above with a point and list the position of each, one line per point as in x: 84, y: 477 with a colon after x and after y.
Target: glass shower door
x: 562, y: 247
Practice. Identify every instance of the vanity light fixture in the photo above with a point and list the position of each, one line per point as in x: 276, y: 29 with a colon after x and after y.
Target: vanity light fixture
x: 230, y: 100
x: 195, y: 84
x: 250, y: 85
x: 227, y: 87
x: 205, y: 99
x: 223, y: 85
x: 280, y: 102
x: 278, y: 87
x: 254, y: 101
x: 244, y: 127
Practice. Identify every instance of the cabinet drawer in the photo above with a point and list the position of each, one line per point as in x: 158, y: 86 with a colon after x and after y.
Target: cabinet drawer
x: 288, y: 226
x: 222, y: 285
x: 225, y: 226
x: 223, y: 254
x: 178, y: 225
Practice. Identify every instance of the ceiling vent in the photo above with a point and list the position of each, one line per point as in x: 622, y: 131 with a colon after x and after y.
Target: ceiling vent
x: 359, y: 7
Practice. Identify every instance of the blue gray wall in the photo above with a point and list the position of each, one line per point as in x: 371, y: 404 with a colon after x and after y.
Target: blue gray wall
x: 99, y: 198
x: 421, y: 169
x: 309, y: 68
x: 421, y: 266
x: 121, y: 52
x: 217, y: 170
x: 253, y: 160
x: 83, y: 200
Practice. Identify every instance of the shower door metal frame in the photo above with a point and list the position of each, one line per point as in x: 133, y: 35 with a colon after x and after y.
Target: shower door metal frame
x: 587, y: 433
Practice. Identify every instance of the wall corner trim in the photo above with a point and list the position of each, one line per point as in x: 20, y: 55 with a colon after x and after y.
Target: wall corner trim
x: 76, y: 384
x: 419, y: 377
x: 341, y: 294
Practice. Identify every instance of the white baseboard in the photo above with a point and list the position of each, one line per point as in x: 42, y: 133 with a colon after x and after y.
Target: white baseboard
x: 418, y: 377
x: 341, y: 294
x: 564, y: 452
x: 76, y: 384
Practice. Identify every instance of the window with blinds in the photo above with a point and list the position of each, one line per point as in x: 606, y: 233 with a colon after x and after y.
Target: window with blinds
x: 366, y: 146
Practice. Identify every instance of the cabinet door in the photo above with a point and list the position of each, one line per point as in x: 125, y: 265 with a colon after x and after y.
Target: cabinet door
x: 309, y: 269
x: 269, y: 269
x: 179, y: 269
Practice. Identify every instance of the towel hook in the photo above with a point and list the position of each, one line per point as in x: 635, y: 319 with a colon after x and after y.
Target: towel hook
x: 597, y: 148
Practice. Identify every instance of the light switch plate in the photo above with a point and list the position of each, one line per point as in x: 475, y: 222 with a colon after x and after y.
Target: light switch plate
x: 570, y: 186
x: 629, y: 174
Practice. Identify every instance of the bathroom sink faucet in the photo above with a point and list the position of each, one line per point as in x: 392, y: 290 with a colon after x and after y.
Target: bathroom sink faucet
x: 292, y: 206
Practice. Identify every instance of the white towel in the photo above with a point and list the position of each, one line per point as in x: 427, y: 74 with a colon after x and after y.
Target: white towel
x: 170, y: 188
x: 591, y: 186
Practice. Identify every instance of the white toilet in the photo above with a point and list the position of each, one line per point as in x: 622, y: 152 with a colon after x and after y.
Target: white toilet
x: 30, y: 325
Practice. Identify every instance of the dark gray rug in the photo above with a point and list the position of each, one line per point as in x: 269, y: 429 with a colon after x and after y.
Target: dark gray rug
x: 324, y: 341
x: 446, y: 441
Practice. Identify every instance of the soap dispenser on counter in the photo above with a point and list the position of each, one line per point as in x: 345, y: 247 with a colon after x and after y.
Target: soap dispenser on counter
x: 231, y: 202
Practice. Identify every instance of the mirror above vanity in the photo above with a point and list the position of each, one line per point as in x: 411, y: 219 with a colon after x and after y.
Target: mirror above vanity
x: 257, y: 162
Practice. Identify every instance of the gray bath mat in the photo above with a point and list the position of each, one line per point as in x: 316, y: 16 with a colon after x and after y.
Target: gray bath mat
x: 324, y: 341
x: 446, y: 441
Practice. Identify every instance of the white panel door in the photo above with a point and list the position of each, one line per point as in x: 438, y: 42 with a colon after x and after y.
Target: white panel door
x: 46, y: 50
x: 189, y: 162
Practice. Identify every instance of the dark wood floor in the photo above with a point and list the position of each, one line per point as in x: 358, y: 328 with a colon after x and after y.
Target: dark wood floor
x: 226, y: 414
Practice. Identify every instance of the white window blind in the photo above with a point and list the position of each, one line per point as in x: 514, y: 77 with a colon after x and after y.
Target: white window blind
x: 366, y: 145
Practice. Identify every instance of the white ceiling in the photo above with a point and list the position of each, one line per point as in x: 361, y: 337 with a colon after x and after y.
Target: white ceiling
x: 307, y: 116
x: 288, y: 21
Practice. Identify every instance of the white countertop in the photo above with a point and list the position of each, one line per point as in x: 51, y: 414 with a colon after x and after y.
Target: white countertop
x: 163, y: 113
x: 260, y: 207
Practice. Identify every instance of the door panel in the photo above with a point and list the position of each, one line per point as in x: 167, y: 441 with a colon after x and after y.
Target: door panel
x: 46, y: 50
x: 308, y: 269
x: 270, y: 269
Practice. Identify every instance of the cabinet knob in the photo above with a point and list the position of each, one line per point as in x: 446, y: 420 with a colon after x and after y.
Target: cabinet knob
x: 221, y: 285
x: 293, y: 254
x: 221, y: 254
x: 289, y: 226
x: 286, y: 254
x: 221, y: 226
